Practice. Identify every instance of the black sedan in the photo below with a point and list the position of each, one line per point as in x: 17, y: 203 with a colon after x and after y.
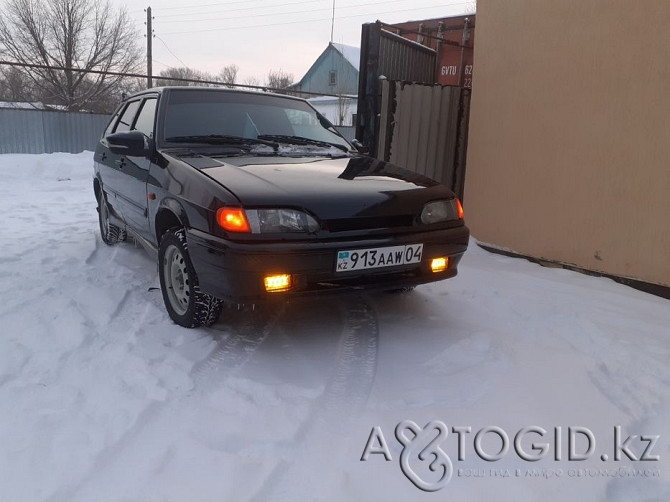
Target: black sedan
x: 248, y: 196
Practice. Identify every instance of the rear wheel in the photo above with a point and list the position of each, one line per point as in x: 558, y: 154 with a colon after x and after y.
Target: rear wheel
x: 111, y: 234
x: 185, y: 303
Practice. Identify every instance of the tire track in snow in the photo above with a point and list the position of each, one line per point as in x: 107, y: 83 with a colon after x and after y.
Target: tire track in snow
x: 148, y: 433
x: 633, y: 377
x: 238, y: 339
x: 47, y: 286
x: 634, y: 381
x: 234, y: 351
x: 343, y: 400
x: 93, y: 256
x: 121, y: 304
x: 357, y: 360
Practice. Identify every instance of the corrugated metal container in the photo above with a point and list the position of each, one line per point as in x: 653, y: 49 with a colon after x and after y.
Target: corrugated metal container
x: 38, y: 131
x: 403, y: 60
x: 453, y: 39
x: 385, y: 54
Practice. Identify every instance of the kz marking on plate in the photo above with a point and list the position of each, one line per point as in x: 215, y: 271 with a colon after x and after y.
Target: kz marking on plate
x: 361, y: 259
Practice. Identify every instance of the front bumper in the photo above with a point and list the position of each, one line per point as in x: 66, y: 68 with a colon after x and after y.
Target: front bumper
x: 234, y: 271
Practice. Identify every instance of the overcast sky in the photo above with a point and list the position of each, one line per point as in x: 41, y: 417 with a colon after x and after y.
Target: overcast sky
x: 263, y: 35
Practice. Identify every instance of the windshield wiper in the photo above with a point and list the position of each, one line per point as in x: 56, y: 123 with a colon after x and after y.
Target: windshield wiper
x: 300, y: 140
x: 222, y: 139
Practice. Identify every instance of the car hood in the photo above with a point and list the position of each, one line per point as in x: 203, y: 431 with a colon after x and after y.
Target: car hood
x: 344, y: 187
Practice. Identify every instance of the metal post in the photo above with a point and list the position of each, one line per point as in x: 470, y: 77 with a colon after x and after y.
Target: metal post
x: 332, y: 23
x: 149, y: 56
x: 465, y: 38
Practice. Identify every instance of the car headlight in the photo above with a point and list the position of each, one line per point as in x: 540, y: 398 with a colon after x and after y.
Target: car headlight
x: 441, y: 210
x: 264, y: 221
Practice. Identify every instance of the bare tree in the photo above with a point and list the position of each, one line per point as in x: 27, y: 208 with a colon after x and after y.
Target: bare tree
x: 253, y: 81
x: 106, y: 103
x: 72, y: 34
x: 344, y: 104
x: 279, y: 79
x: 15, y: 85
x: 167, y: 77
x: 228, y: 74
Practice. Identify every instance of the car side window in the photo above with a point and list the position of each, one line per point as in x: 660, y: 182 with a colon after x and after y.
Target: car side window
x: 145, y: 119
x: 127, y: 117
x: 112, y: 123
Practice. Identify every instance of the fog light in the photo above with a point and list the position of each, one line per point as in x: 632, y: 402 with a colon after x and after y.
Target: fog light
x: 277, y: 283
x: 439, y: 264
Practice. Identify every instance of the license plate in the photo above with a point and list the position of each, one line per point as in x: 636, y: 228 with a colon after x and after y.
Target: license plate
x: 362, y: 259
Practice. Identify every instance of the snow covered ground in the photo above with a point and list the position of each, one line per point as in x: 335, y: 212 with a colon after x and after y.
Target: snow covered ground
x: 102, y: 398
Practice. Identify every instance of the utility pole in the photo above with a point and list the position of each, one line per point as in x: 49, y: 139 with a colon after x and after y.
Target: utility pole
x: 149, y: 38
x: 332, y: 23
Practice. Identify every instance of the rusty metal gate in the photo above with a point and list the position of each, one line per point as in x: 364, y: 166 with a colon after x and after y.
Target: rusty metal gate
x: 424, y: 128
x: 403, y: 116
x: 385, y: 55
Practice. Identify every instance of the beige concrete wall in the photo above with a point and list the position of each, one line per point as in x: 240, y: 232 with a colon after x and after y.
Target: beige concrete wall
x: 569, y: 150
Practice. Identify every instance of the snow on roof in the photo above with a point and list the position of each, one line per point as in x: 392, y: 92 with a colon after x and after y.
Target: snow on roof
x: 351, y: 54
x: 37, y: 105
x: 328, y: 99
x: 23, y: 106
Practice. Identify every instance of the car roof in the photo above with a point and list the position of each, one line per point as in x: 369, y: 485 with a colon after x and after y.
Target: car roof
x: 168, y: 88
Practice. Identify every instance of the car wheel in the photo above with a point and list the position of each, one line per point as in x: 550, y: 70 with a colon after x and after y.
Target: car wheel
x: 185, y: 303
x: 111, y: 234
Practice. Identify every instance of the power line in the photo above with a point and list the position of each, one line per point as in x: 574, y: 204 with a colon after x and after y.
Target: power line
x: 173, y: 54
x: 218, y: 4
x: 229, y: 28
x: 302, y: 2
x: 173, y: 79
x: 328, y: 9
x: 164, y: 64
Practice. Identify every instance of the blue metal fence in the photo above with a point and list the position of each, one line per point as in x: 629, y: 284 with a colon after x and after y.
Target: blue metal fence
x: 39, y: 131
x: 349, y: 132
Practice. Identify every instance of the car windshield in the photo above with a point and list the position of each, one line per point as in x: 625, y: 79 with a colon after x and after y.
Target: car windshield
x: 208, y: 114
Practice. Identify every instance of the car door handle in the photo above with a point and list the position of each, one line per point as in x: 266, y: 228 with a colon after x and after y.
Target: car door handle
x: 120, y: 162
x: 103, y: 156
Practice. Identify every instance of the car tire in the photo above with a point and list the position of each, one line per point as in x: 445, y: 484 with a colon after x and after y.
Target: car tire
x: 111, y: 234
x: 186, y: 304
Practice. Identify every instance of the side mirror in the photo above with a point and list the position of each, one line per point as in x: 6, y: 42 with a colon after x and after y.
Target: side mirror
x: 132, y: 143
x: 360, y: 147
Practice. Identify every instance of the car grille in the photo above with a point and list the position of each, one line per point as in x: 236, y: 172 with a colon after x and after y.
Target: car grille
x: 369, y: 223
